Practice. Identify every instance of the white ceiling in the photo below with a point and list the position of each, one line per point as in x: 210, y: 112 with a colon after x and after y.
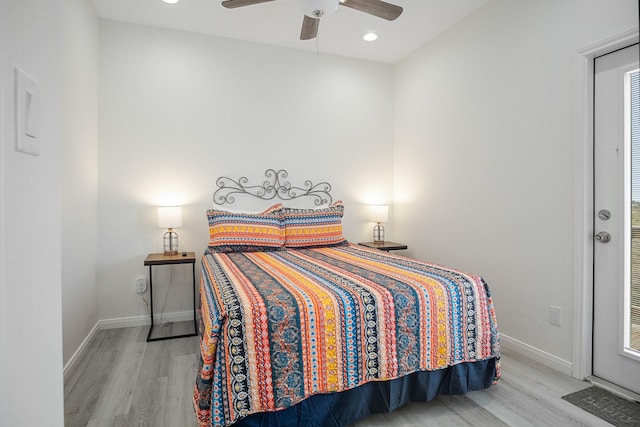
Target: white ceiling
x: 278, y: 23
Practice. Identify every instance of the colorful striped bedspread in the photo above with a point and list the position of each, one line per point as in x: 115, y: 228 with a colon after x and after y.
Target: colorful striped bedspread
x: 282, y: 326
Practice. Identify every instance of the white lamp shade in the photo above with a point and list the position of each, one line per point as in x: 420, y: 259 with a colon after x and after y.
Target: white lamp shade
x: 378, y: 213
x: 326, y: 7
x: 169, y: 217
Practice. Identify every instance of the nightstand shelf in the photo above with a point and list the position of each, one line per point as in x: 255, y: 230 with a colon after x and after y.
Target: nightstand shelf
x: 161, y: 259
x: 384, y: 246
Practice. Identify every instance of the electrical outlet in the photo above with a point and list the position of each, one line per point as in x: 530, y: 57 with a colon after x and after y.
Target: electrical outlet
x: 140, y: 285
x: 555, y: 315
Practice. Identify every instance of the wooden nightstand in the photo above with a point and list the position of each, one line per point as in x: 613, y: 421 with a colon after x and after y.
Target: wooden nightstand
x: 161, y: 259
x: 384, y: 246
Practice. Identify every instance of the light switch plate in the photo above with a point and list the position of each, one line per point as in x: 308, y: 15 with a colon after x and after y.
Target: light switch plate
x: 27, y: 113
x: 555, y: 315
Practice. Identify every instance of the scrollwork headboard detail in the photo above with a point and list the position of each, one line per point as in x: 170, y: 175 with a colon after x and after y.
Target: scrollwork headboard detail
x: 275, y: 186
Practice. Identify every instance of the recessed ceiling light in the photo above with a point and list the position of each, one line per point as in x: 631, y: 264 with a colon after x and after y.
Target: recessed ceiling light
x: 171, y: 1
x: 369, y: 37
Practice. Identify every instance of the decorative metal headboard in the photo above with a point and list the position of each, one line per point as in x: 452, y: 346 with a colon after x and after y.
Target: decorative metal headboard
x: 274, y: 186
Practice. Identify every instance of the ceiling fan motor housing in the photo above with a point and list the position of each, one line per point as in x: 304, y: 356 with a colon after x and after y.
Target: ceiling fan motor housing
x: 319, y: 8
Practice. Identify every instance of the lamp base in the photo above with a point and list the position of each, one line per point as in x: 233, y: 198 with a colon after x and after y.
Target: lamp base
x: 170, y: 242
x: 378, y: 233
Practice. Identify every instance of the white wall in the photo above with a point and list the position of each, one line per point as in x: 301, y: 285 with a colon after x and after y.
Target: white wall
x: 30, y: 281
x: 79, y: 175
x: 485, y: 118
x: 4, y: 322
x: 178, y: 110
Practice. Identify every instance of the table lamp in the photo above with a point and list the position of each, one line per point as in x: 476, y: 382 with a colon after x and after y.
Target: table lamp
x: 170, y: 217
x: 378, y: 214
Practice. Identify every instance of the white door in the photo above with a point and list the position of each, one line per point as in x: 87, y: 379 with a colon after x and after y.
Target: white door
x: 616, y: 328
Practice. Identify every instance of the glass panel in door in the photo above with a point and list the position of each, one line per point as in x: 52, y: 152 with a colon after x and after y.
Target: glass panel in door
x: 632, y: 291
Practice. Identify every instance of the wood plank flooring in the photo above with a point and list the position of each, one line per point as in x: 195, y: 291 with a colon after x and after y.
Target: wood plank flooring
x: 122, y: 381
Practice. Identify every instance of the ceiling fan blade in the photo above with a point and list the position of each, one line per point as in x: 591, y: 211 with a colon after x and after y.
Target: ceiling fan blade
x: 377, y: 8
x: 309, y: 28
x: 232, y: 4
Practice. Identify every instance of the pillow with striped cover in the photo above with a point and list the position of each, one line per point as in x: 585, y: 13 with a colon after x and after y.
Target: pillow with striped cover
x: 245, y: 232
x: 307, y: 228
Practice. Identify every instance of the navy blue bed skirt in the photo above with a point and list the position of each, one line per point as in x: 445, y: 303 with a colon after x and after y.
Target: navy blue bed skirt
x: 341, y: 409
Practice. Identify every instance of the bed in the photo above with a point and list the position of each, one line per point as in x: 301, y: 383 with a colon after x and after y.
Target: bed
x: 299, y: 327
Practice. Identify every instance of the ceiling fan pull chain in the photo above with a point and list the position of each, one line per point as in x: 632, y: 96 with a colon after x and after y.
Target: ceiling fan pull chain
x: 318, y: 47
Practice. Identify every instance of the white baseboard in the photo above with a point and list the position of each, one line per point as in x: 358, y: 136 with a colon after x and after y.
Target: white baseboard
x: 540, y: 356
x: 80, y: 349
x: 145, y: 320
x: 124, y: 322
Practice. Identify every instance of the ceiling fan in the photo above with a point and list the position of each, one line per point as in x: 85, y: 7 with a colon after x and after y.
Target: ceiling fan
x: 316, y: 9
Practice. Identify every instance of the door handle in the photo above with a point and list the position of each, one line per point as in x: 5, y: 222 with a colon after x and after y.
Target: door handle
x: 603, y: 237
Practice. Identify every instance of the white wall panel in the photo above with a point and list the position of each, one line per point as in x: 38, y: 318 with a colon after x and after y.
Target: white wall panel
x: 30, y: 281
x: 484, y: 125
x: 178, y: 110
x: 79, y: 175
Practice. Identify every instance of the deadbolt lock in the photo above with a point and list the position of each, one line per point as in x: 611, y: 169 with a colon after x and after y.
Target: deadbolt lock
x: 604, y: 214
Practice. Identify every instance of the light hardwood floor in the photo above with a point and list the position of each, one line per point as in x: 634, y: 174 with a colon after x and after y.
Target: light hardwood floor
x: 121, y: 380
